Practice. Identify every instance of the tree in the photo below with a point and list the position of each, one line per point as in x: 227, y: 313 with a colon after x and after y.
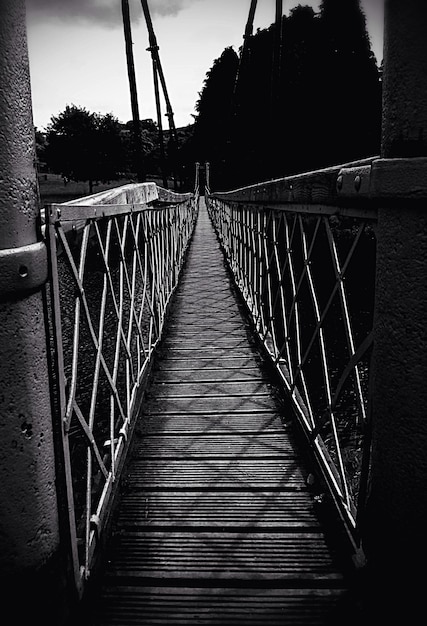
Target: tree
x: 327, y: 103
x: 251, y: 135
x: 214, y: 108
x: 348, y: 73
x: 84, y: 146
x: 150, y: 146
x: 329, y: 95
x: 40, y: 139
x: 298, y: 93
x: 108, y: 146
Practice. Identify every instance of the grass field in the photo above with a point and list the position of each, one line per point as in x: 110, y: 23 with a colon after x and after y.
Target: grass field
x: 53, y: 189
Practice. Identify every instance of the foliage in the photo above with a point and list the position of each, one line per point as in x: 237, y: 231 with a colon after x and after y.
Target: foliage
x: 325, y: 109
x: 214, y: 108
x: 350, y: 75
x: 40, y: 140
x: 150, y: 147
x: 84, y: 146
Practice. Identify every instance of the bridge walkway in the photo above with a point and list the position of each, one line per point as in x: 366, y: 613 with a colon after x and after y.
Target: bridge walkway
x: 217, y: 523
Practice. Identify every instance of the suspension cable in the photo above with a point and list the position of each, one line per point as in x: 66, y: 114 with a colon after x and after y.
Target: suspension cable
x: 276, y: 61
x: 154, y: 49
x: 139, y: 165
x: 158, y: 73
x: 246, y: 38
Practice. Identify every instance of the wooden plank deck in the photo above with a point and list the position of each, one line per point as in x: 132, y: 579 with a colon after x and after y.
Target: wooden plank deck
x: 216, y: 523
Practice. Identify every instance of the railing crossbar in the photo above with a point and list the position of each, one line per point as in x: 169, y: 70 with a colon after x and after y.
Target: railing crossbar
x: 104, y: 253
x: 330, y: 301
x: 123, y: 267
x: 324, y: 360
x: 285, y: 259
x: 140, y: 250
x: 295, y: 307
x: 82, y: 297
x: 344, y: 305
x: 79, y: 276
x: 280, y: 292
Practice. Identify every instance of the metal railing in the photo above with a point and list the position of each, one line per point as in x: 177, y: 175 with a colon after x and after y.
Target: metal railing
x: 302, y: 251
x: 115, y: 260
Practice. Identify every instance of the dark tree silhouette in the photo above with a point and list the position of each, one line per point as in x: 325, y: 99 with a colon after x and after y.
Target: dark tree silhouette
x: 84, y: 146
x: 253, y: 130
x: 40, y: 138
x: 212, y: 123
x: 149, y: 149
x: 328, y: 107
x: 299, y: 94
x: 329, y: 95
x: 351, y: 114
x: 108, y: 146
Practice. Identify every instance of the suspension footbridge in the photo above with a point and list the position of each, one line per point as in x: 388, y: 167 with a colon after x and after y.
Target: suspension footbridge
x: 213, y: 403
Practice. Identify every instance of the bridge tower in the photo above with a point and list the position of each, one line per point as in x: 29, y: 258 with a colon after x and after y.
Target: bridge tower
x: 395, y: 535
x: 29, y: 528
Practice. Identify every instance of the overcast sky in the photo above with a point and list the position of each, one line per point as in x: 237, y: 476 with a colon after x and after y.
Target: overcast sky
x: 77, y: 51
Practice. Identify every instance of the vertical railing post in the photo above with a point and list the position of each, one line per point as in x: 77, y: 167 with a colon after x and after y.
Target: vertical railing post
x: 29, y: 531
x: 207, y: 176
x: 197, y: 177
x: 394, y: 530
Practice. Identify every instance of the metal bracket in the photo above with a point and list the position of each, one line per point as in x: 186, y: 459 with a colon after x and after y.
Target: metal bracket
x: 354, y: 182
x: 23, y: 269
x: 394, y: 180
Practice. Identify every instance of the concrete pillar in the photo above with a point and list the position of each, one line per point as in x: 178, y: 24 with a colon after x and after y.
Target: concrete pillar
x: 395, y: 536
x: 29, y: 535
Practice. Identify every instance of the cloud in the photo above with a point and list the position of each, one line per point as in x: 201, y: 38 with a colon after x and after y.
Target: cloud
x: 100, y: 12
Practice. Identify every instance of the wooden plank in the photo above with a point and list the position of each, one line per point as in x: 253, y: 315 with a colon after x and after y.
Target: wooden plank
x: 221, y: 335
x: 205, y: 343
x: 281, y: 510
x: 208, y: 374
x: 207, y: 297
x: 218, y: 404
x: 208, y: 352
x: 216, y: 523
x: 214, y: 286
x: 215, y: 445
x: 211, y: 473
x: 185, y: 302
x: 211, y: 422
x: 217, y: 606
x: 253, y: 388
x: 214, y: 327
x: 199, y: 509
x: 197, y: 363
x: 238, y: 556
x: 199, y: 322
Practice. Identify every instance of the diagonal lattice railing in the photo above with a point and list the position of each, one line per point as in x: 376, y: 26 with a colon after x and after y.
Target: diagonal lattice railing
x: 303, y: 258
x: 115, y: 260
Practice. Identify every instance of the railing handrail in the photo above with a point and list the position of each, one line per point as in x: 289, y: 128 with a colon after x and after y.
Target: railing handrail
x: 313, y: 186
x: 140, y: 234
x: 67, y: 212
x: 363, y: 185
x: 123, y: 200
x: 262, y: 230
x: 124, y: 194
